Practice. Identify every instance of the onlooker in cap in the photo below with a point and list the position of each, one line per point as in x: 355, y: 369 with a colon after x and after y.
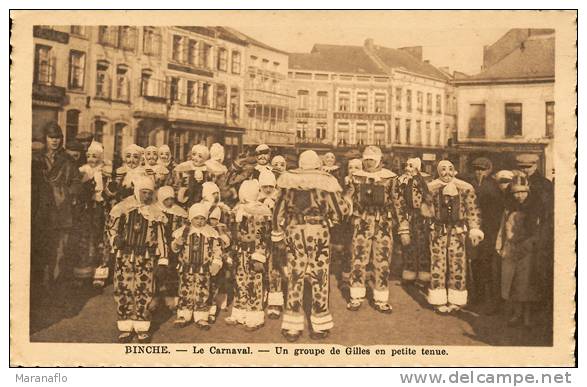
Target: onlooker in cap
x: 75, y: 150
x: 59, y: 187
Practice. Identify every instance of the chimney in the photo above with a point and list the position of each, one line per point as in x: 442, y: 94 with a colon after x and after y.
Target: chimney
x: 369, y: 44
x: 415, y: 51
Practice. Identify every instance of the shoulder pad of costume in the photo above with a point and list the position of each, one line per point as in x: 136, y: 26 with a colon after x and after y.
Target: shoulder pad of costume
x: 179, y: 232
x: 107, y: 169
x: 461, y: 184
x: 121, y: 170
x: 122, y: 207
x: 435, y: 184
x: 185, y: 166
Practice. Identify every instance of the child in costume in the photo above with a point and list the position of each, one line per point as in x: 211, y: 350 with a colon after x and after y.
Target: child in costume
x: 168, y: 280
x: 219, y: 282
x: 137, y: 233
x: 252, y: 229
x: 200, y: 258
x: 191, y: 175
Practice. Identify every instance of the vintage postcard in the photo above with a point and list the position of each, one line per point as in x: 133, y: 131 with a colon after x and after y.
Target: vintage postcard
x: 293, y: 188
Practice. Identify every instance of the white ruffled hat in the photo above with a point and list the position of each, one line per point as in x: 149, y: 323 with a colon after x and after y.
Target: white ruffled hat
x: 217, y: 152
x: 209, y: 188
x: 202, y: 150
x: 96, y: 148
x: 309, y: 160
x: 134, y: 149
x: 249, y: 191
x: 199, y: 209
x: 372, y: 153
x: 141, y: 183
x: 267, y: 178
x: 165, y: 192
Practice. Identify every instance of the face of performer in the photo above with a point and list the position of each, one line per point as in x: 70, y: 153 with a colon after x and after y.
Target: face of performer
x: 93, y: 159
x: 169, y: 202
x: 53, y: 143
x: 198, y: 159
x: 164, y: 155
x: 198, y: 221
x: 151, y: 156
x: 146, y: 196
x: 504, y: 184
x: 267, y: 190
x: 369, y: 165
x: 213, y: 222
x: 132, y: 159
x: 329, y: 160
x: 446, y: 173
x: 353, y: 168
x: 263, y: 159
x: 278, y: 165
x: 521, y: 196
x: 410, y: 169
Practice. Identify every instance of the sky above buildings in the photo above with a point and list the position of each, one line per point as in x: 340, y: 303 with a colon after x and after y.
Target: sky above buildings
x: 447, y: 40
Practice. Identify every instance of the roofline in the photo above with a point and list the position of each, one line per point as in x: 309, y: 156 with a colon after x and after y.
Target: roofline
x: 421, y: 75
x: 503, y: 81
x: 290, y: 69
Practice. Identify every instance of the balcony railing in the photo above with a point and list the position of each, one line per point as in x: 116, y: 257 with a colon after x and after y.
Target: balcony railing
x: 154, y: 89
x: 49, y: 93
x: 48, y: 33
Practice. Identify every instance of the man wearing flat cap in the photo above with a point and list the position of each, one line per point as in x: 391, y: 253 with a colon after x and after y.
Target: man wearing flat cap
x: 485, y: 262
x: 542, y: 199
x: 85, y: 139
x: 249, y: 168
x: 59, y: 189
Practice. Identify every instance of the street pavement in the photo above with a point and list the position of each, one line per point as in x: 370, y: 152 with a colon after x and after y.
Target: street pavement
x: 85, y: 316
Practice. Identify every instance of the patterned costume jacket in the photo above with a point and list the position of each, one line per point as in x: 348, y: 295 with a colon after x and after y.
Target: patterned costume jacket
x: 176, y: 218
x: 251, y: 229
x: 309, y: 204
x: 137, y: 235
x: 453, y: 216
x: 201, y: 248
x: 416, y: 255
x: 377, y: 206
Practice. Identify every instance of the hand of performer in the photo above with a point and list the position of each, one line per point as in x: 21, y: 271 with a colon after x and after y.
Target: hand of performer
x: 475, y: 239
x: 405, y: 239
x: 258, y: 267
x: 215, y: 267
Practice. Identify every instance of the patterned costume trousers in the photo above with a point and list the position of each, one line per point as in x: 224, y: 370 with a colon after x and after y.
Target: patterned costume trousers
x: 416, y: 255
x: 248, y: 297
x: 194, y: 290
x: 275, y: 297
x: 448, y: 266
x: 372, y: 244
x: 133, y: 291
x: 308, y: 256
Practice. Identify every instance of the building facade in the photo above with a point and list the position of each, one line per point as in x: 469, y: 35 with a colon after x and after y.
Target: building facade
x: 349, y: 96
x: 509, y: 107
x: 144, y: 85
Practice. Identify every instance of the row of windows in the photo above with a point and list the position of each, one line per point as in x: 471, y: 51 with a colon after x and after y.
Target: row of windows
x: 513, y: 120
x: 344, y: 101
x: 201, y: 54
x: 362, y: 101
x: 343, y: 133
x: 72, y: 122
x: 191, y: 93
x: 421, y: 134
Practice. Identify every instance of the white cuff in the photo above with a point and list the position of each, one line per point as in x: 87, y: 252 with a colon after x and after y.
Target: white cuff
x: 259, y: 257
x: 359, y: 293
x: 457, y: 297
x: 141, y: 326
x: 163, y: 262
x: 185, y: 313
x: 380, y: 295
x: 294, y: 322
x: 201, y: 315
x: 424, y: 276
x: 124, y: 325
x: 437, y: 296
x: 255, y: 317
x: 475, y: 232
x: 408, y: 275
x: 322, y: 323
x: 275, y: 299
x: 277, y: 236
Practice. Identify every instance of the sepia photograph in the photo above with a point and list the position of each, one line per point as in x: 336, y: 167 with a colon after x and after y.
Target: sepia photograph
x: 256, y: 182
